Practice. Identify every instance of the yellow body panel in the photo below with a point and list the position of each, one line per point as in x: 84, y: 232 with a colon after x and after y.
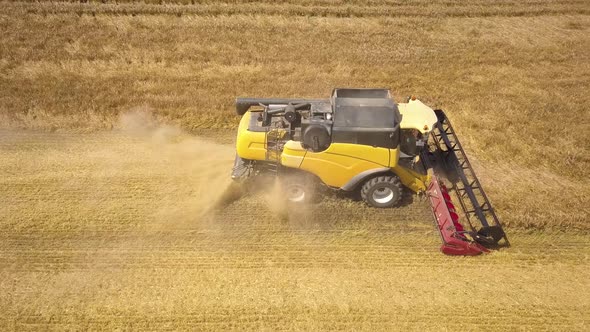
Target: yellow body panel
x: 251, y: 144
x: 341, y: 162
x: 393, y: 157
x: 415, y: 181
x: 336, y: 166
x: 293, y: 154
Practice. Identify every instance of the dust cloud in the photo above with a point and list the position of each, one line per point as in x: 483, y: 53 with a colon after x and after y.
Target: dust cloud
x: 193, y: 173
x: 84, y: 210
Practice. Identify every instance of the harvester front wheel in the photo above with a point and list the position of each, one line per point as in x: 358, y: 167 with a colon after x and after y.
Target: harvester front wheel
x: 382, y: 191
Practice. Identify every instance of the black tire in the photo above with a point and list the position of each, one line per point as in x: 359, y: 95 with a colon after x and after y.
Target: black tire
x: 382, y: 191
x: 298, y: 188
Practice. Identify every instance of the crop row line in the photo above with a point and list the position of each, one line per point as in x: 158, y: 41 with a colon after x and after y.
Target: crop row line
x: 452, y: 9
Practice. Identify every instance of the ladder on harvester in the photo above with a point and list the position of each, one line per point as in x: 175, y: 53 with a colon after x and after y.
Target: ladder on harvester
x: 468, y: 190
x: 273, y: 146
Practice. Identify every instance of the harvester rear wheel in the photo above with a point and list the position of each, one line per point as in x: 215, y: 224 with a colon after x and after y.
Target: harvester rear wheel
x: 298, y: 188
x: 382, y: 191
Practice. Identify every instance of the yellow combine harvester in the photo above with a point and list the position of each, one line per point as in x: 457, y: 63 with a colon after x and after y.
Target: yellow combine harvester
x: 360, y: 140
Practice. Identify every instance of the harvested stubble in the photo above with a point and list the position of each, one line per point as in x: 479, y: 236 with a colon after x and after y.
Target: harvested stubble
x: 105, y: 230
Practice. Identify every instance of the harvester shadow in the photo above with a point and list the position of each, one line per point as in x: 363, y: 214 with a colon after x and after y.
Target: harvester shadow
x: 260, y: 185
x: 238, y: 190
x: 260, y: 204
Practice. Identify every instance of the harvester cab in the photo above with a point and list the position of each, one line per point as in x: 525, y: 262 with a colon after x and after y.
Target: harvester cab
x: 361, y: 141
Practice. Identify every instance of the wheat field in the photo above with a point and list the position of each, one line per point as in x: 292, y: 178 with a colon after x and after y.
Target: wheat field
x: 116, y: 143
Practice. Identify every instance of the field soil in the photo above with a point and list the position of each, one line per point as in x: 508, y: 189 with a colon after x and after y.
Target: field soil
x: 135, y: 229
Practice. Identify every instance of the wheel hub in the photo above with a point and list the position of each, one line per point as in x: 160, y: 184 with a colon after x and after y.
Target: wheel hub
x: 295, y: 194
x: 382, y: 195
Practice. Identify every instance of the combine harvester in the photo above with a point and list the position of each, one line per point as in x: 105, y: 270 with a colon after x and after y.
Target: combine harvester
x: 361, y: 140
